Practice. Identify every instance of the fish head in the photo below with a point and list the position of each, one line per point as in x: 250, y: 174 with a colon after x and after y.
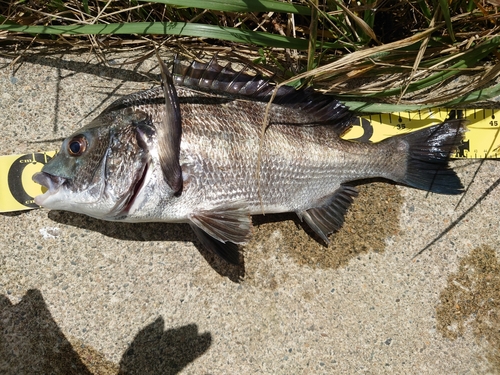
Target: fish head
x: 100, y: 169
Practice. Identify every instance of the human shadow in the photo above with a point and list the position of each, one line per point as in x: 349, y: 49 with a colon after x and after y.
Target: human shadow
x: 32, y: 343
x: 155, y: 351
x: 149, y: 232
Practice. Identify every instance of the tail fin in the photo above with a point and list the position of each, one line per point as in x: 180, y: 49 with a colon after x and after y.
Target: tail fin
x: 428, y: 152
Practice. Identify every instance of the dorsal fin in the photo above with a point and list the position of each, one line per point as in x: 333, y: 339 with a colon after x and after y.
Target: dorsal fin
x: 213, y: 77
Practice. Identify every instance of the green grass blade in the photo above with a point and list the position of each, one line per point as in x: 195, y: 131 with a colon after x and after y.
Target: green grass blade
x: 313, y: 33
x: 85, y: 4
x: 172, y: 28
x: 239, y: 6
x: 445, y: 10
x: 369, y: 107
x: 475, y: 96
x: 425, y: 9
x: 471, y: 6
x: 4, y: 20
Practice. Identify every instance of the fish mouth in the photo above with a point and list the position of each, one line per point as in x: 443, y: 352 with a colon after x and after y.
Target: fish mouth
x: 51, y: 182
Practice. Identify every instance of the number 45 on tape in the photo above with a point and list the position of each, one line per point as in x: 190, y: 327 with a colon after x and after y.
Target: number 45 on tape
x: 17, y: 189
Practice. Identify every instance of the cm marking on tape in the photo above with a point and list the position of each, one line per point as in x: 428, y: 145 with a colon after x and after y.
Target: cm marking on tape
x: 17, y: 189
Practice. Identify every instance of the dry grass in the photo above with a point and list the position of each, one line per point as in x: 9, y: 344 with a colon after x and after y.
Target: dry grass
x: 395, y: 51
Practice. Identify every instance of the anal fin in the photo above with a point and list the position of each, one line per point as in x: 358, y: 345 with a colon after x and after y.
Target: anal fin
x: 329, y: 217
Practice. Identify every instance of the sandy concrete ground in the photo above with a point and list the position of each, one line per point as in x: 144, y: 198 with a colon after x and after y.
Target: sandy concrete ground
x: 82, y: 296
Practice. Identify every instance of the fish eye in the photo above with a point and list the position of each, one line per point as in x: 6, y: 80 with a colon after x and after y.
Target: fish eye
x: 77, y: 145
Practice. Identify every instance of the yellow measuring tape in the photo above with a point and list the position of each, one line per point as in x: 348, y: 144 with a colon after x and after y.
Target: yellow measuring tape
x: 481, y: 141
x: 17, y: 189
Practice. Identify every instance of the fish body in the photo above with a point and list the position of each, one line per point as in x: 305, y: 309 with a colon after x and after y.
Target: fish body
x: 193, y: 153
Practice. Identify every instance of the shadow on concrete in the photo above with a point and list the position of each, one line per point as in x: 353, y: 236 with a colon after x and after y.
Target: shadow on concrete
x: 67, y: 68
x: 155, y: 351
x: 458, y: 220
x: 101, y: 69
x: 147, y: 232
x: 32, y: 343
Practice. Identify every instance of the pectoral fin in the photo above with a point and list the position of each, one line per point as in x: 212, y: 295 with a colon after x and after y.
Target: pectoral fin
x: 220, y: 230
x: 329, y: 217
x: 169, y: 133
x: 232, y: 224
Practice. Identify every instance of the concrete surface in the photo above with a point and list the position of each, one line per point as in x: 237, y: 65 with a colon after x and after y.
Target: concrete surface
x: 82, y: 296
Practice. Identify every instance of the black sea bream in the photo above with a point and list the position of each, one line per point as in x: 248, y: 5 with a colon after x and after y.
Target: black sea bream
x: 189, y: 153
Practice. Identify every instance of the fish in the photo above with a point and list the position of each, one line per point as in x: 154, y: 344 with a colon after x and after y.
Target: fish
x: 192, y: 151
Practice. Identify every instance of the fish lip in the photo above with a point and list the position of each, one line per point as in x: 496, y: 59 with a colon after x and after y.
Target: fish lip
x: 51, y: 182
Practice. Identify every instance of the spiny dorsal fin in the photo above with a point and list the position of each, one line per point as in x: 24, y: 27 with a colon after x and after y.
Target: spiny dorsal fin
x: 329, y: 218
x: 223, y: 79
x: 323, y: 109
